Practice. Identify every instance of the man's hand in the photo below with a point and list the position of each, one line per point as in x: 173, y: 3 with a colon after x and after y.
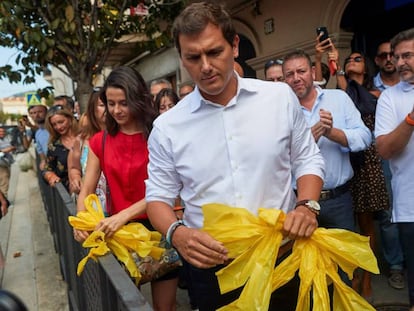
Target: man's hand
x: 326, y: 120
x: 324, y: 126
x: 199, y: 248
x: 318, y: 130
x: 300, y: 223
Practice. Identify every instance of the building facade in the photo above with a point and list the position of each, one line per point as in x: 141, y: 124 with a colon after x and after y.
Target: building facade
x: 270, y: 28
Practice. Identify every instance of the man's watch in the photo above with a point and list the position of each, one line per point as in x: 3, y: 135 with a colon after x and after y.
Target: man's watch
x: 312, y: 205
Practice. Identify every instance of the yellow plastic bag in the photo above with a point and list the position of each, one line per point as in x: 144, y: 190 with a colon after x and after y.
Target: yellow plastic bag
x: 253, y: 242
x: 131, y: 237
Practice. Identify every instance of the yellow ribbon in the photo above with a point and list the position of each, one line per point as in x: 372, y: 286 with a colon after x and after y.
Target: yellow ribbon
x: 253, y: 242
x: 133, y: 237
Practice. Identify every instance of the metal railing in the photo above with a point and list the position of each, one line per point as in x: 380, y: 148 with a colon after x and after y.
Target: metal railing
x: 102, y: 286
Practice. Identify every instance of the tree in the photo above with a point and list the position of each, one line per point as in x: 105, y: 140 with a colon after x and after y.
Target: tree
x: 76, y: 36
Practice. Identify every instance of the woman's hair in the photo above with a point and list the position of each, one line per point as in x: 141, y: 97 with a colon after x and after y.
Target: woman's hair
x: 369, y: 70
x: 165, y: 93
x: 137, y: 95
x: 92, y: 124
x: 59, y: 110
x: 197, y: 16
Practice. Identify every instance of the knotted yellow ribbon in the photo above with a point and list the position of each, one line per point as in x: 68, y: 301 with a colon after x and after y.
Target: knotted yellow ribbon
x: 133, y: 237
x: 253, y: 242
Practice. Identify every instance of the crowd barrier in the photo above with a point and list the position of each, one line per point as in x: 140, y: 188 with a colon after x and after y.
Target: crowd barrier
x: 103, y: 285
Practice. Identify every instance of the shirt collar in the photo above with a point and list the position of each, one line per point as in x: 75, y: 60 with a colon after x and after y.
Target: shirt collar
x: 319, y: 96
x: 407, y: 87
x: 197, y: 100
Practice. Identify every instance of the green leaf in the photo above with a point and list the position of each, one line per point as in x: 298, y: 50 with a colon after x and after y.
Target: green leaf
x: 69, y: 13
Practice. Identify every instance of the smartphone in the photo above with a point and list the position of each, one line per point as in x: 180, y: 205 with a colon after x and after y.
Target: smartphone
x: 324, y: 31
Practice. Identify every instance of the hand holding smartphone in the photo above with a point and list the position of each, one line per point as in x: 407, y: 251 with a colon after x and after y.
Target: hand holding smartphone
x: 324, y: 31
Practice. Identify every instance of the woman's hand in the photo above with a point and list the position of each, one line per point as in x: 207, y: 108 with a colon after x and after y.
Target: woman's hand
x: 80, y: 235
x: 112, y: 224
x: 4, y: 208
x: 51, y: 178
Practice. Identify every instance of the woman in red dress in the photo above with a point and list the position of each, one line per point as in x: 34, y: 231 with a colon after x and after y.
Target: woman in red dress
x: 121, y: 153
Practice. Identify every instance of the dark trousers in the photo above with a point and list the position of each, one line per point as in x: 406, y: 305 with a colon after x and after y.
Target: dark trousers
x: 208, y: 298
x: 407, y: 237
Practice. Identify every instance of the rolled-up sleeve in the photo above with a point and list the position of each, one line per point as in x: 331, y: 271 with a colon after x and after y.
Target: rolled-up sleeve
x: 163, y: 183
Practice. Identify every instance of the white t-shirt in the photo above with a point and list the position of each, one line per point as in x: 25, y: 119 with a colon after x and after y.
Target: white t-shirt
x: 393, y: 106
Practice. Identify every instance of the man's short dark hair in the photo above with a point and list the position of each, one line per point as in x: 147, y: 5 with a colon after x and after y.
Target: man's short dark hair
x: 298, y: 53
x: 194, y: 19
x: 70, y: 103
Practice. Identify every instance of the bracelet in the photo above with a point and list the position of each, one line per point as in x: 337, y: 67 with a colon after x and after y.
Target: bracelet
x: 409, y: 120
x: 340, y: 73
x: 171, y: 230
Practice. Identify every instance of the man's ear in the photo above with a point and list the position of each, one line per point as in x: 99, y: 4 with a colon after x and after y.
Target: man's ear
x: 236, y: 42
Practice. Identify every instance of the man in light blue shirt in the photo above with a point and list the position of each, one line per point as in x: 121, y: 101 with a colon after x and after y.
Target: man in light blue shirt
x: 38, y: 115
x: 337, y: 128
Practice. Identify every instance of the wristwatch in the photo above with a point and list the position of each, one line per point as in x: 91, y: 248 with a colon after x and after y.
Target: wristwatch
x: 340, y: 73
x: 312, y: 205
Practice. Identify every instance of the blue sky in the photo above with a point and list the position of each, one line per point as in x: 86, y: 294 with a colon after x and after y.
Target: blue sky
x: 8, y: 56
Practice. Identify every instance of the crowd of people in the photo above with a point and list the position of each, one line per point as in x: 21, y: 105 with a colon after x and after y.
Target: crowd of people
x: 329, y: 157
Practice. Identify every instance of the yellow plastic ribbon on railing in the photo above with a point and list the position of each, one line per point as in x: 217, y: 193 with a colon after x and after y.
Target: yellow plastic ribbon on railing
x: 131, y: 237
x: 254, y: 241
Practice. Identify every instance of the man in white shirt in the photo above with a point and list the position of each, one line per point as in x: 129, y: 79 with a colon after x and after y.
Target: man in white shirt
x: 233, y: 141
x: 386, y: 77
x: 394, y: 128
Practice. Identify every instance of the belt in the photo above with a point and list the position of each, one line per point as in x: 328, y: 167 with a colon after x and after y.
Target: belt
x: 333, y: 193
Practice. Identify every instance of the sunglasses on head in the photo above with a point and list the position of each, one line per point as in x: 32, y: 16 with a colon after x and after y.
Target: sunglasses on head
x: 356, y: 59
x: 385, y: 55
x: 55, y: 109
x: 273, y: 62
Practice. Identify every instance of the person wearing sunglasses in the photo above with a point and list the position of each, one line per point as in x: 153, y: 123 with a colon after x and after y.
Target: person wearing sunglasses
x: 394, y: 129
x: 386, y: 77
x: 368, y: 187
x: 273, y: 70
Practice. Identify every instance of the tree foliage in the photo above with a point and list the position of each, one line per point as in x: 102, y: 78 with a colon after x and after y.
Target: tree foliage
x: 76, y: 36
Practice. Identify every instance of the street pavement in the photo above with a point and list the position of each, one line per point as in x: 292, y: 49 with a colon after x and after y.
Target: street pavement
x: 32, y: 266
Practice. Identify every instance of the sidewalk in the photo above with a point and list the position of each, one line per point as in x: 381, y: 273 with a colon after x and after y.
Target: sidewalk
x: 32, y: 266
x: 32, y: 269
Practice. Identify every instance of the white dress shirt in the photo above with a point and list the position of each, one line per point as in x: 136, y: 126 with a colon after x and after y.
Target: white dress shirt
x: 243, y: 154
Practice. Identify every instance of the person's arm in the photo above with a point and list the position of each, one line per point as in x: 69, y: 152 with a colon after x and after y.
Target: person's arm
x: 197, y: 247
x: 3, y: 205
x: 49, y: 169
x: 110, y: 225
x: 341, y: 81
x: 392, y: 144
x: 301, y: 222
x: 74, y: 168
x: 8, y: 149
x: 22, y: 132
x: 93, y: 171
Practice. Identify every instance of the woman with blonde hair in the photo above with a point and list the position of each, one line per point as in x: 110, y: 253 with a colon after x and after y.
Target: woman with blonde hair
x: 62, y: 128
